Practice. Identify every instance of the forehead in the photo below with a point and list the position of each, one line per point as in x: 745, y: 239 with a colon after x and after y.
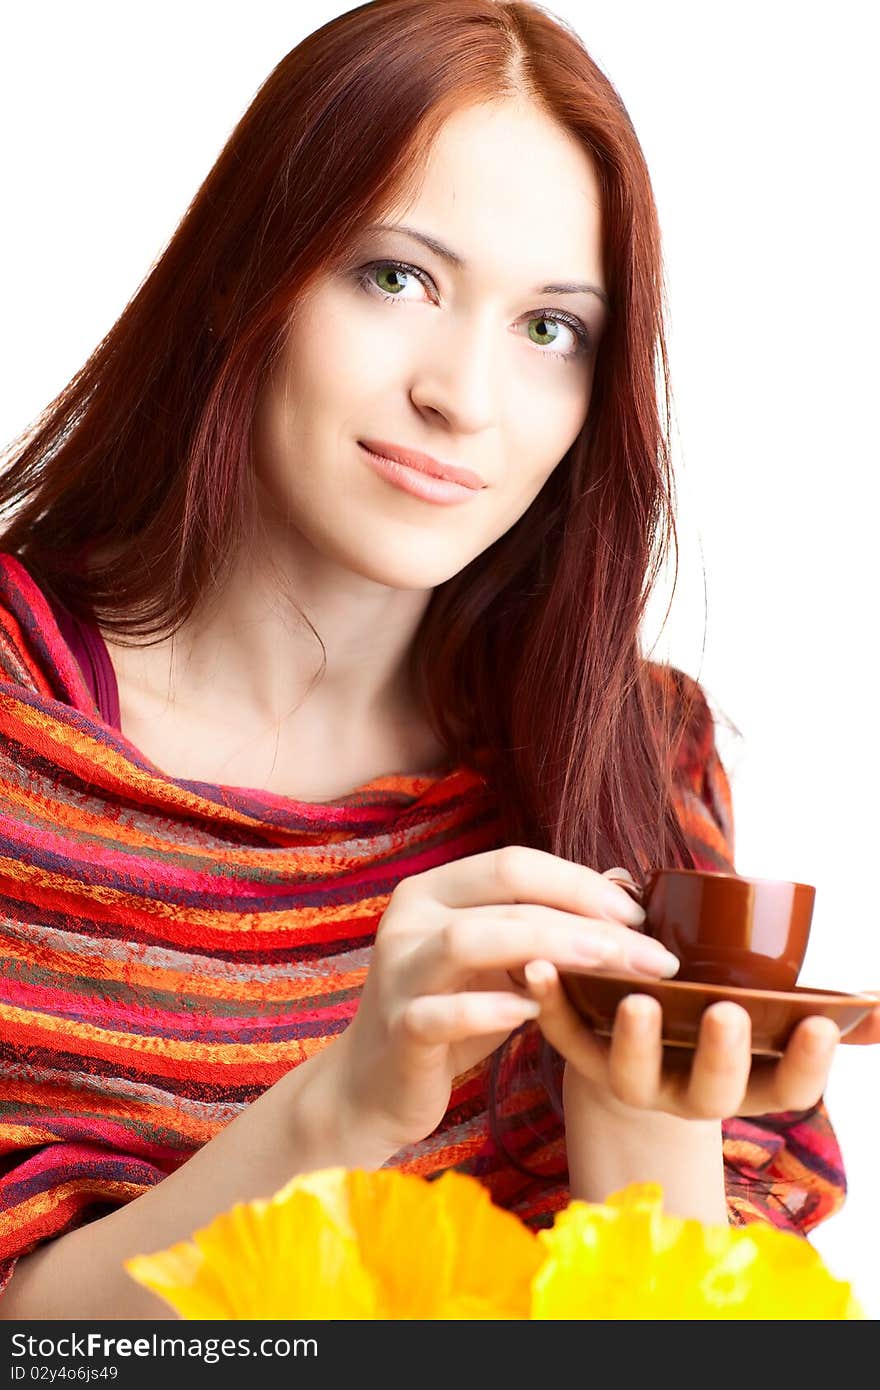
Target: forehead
x: 508, y: 178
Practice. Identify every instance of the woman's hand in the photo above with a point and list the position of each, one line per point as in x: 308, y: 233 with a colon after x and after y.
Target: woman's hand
x: 441, y: 991
x: 718, y: 1079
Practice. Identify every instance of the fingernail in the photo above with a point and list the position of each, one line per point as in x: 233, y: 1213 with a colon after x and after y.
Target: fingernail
x: 622, y: 876
x: 619, y: 903
x: 732, y: 1018
x: 640, y: 1012
x: 652, y: 958
x: 538, y: 974
x: 823, y: 1040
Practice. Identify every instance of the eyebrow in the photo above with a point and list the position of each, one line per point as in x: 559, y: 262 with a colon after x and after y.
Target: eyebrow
x: 564, y: 287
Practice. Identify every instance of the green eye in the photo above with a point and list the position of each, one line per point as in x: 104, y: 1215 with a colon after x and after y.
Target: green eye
x: 391, y: 275
x: 546, y: 323
x: 388, y: 279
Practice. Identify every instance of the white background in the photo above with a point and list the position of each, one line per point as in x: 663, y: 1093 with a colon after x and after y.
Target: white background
x: 760, y: 131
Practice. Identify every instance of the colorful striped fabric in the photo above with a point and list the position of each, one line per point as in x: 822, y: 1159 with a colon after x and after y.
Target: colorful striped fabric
x: 170, y: 948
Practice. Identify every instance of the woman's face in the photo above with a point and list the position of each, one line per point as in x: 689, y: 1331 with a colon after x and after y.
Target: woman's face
x: 476, y: 364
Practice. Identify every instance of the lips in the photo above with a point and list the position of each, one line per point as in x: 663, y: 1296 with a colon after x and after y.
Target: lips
x: 424, y: 463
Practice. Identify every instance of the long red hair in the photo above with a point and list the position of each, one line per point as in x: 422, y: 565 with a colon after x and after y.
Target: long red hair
x: 532, y: 651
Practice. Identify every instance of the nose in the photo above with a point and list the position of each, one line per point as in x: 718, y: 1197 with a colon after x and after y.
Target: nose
x: 456, y: 376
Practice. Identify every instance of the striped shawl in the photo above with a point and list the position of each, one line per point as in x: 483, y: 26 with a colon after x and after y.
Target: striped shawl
x: 169, y: 949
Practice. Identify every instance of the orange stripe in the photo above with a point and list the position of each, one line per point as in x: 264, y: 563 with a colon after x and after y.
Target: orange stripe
x: 141, y: 975
x: 129, y: 1048
x: 80, y: 753
x: 122, y: 838
x: 295, y: 920
x: 147, y: 1118
x: 35, y: 1210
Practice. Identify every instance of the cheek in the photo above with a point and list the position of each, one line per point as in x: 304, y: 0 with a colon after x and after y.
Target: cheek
x: 325, y: 363
x: 545, y: 421
x: 552, y: 395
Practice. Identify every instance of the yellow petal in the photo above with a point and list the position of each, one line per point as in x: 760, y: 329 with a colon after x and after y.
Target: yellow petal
x: 179, y: 1277
x: 496, y: 1255
x: 263, y: 1259
x: 626, y: 1259
x: 768, y: 1273
x: 405, y: 1244
x: 354, y: 1244
x: 331, y: 1187
x: 340, y: 1244
x: 441, y: 1249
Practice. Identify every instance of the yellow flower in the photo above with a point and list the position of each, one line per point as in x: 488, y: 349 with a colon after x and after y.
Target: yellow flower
x: 265, y: 1259
x: 352, y: 1245
x: 347, y: 1244
x: 626, y: 1259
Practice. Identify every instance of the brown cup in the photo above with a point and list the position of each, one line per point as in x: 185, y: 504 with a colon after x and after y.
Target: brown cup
x: 727, y: 929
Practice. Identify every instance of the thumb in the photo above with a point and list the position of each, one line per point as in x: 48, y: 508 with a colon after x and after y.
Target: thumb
x: 562, y: 1026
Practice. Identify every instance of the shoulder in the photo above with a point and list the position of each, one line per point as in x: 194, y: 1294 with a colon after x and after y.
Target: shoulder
x: 680, y: 703
x: 18, y: 594
x: 33, y: 653
x: 700, y: 784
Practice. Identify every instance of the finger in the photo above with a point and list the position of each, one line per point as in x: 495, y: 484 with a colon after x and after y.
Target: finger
x: 522, y: 874
x: 625, y: 879
x: 636, y: 1057
x: 798, y: 1080
x: 722, y: 1063
x: 447, y: 1018
x: 802, y: 1072
x: 479, y: 938
x: 561, y: 1024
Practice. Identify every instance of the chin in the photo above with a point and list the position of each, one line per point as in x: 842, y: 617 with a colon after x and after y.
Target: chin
x: 400, y: 563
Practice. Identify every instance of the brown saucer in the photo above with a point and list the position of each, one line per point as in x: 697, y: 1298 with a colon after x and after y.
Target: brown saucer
x: 773, y: 1013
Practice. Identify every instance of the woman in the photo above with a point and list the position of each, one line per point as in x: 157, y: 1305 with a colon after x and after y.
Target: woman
x: 264, y: 914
